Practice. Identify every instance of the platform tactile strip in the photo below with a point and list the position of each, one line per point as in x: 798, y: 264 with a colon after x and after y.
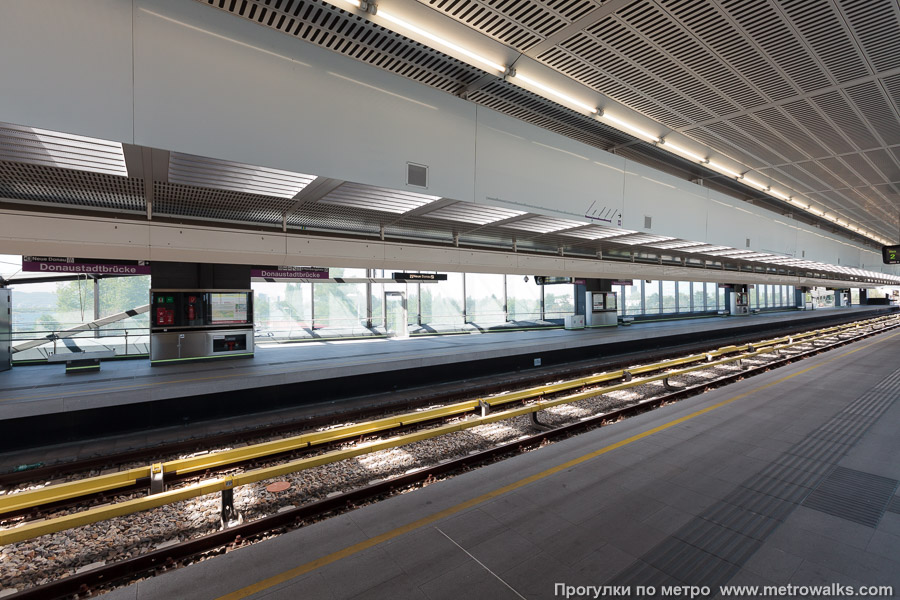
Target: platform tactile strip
x: 853, y: 495
x: 713, y: 546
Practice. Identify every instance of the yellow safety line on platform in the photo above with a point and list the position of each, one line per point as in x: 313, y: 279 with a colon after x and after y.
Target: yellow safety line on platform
x: 389, y: 535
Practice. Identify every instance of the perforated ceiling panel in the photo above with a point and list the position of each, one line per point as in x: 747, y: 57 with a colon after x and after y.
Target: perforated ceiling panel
x: 77, y: 189
x: 805, y: 91
x: 467, y: 212
x: 542, y: 224
x: 521, y: 23
x: 235, y: 177
x: 208, y: 203
x: 56, y: 149
x: 373, y: 198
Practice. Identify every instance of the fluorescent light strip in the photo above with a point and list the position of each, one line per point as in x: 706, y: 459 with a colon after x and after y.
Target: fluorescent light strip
x: 427, y: 34
x: 552, y: 92
x: 724, y: 169
x: 630, y: 127
x: 778, y: 194
x: 754, y: 183
x: 439, y: 40
x: 670, y: 146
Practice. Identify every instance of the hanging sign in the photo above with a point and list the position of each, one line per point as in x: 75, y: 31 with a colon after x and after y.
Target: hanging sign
x: 90, y: 266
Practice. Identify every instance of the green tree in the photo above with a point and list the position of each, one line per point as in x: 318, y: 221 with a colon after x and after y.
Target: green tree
x: 47, y: 323
x: 117, y: 294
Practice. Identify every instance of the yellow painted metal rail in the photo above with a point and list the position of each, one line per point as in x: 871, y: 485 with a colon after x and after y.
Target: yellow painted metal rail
x: 75, y: 489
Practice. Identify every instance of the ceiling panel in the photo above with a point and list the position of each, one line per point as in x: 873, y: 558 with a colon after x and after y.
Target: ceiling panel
x: 805, y: 91
x: 69, y: 187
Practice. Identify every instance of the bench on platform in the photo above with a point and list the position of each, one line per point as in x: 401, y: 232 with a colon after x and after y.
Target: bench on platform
x: 84, y: 361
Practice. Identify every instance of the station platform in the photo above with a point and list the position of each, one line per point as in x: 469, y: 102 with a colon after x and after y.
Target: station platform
x: 786, y: 478
x: 41, y: 400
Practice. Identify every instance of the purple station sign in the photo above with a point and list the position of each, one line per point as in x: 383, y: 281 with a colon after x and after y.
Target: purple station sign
x: 282, y: 273
x: 90, y: 266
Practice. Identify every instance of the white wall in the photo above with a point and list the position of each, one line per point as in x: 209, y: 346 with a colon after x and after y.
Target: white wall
x: 208, y: 83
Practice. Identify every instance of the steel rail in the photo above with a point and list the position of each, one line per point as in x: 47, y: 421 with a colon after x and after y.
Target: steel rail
x: 35, y: 529
x: 17, y: 502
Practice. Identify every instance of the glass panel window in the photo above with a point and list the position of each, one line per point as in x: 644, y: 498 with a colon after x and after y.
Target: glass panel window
x: 340, y: 305
x: 754, y: 296
x: 651, y: 297
x: 854, y: 295
x: 620, y: 296
x: 668, y: 296
x: 524, y: 298
x: 632, y: 298
x: 684, y: 296
x: 711, y: 295
x: 485, y: 298
x: 442, y: 302
x: 559, y: 301
x: 699, y: 296
x: 720, y: 294
x: 282, y: 310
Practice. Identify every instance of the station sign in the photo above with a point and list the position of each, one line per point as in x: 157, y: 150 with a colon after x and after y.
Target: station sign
x: 622, y: 282
x: 546, y: 280
x: 421, y: 276
x: 88, y: 266
x: 890, y: 255
x: 285, y: 273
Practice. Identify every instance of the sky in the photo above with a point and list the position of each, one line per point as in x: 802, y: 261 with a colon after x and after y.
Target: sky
x: 11, y: 264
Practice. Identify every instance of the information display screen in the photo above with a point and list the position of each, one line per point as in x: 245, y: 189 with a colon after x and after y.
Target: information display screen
x: 890, y: 255
x: 227, y: 307
x: 597, y: 302
x: 610, y: 302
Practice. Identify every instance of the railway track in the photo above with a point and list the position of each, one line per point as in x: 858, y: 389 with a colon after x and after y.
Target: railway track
x: 332, y: 446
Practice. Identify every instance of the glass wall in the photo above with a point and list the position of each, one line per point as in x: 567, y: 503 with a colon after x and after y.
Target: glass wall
x: 684, y: 296
x: 559, y: 301
x: 523, y: 298
x: 442, y: 302
x: 651, y: 297
x: 633, y: 301
x: 485, y: 298
x: 711, y: 296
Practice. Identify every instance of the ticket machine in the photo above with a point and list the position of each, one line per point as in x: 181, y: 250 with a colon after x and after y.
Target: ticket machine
x: 191, y: 324
x: 600, y: 309
x: 740, y: 300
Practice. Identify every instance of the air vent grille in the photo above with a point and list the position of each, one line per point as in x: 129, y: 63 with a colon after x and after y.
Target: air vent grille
x: 178, y: 200
x: 54, y: 185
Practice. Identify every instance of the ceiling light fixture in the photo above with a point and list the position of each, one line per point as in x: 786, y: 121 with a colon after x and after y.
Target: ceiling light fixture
x: 552, y: 92
x: 778, y: 194
x: 439, y: 40
x: 754, y: 183
x: 371, y: 8
x: 678, y: 149
x: 723, y: 169
x: 629, y: 126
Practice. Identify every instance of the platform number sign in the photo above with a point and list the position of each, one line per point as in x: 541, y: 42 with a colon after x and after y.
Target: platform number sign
x: 890, y: 255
